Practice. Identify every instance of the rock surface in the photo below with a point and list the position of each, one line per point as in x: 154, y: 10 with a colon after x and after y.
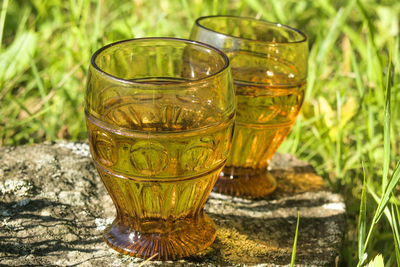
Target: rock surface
x: 54, y: 207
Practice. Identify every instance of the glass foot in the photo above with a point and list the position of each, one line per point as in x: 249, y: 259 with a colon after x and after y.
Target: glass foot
x: 244, y: 185
x: 186, y: 237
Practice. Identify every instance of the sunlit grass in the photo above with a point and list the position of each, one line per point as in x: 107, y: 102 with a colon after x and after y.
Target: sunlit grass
x: 388, y: 186
x: 293, y: 258
x: 46, y: 47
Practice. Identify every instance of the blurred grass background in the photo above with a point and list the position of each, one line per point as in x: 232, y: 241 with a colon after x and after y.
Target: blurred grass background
x: 45, y: 48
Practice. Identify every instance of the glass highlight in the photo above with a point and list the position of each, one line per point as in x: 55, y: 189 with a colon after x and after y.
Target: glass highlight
x: 269, y: 69
x: 159, y: 115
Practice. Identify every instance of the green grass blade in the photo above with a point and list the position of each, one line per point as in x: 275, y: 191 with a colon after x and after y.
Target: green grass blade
x: 188, y: 10
x: 386, y: 132
x: 97, y: 25
x: 334, y: 31
x: 39, y: 84
x: 215, y: 7
x: 338, y: 157
x: 224, y: 10
x: 375, y: 64
x: 3, y: 19
x: 394, y: 180
x: 383, y: 202
x: 362, y: 222
x: 356, y: 69
x: 295, y: 241
x: 397, y: 216
x: 396, y: 231
x: 377, y: 200
x: 312, y: 69
x: 17, y: 57
x: 279, y: 11
x: 258, y: 7
x: 388, y: 187
x: 387, y: 213
x: 28, y: 119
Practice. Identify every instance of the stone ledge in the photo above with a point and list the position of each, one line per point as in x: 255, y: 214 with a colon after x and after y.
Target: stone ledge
x: 54, y: 207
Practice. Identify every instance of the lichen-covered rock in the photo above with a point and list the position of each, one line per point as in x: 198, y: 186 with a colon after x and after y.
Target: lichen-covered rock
x: 54, y: 207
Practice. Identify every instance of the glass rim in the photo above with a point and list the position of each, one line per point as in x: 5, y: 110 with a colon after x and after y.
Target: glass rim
x: 148, y: 84
x: 275, y: 24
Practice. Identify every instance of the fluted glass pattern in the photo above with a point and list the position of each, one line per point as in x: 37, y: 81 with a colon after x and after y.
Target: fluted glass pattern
x: 269, y: 68
x: 159, y: 115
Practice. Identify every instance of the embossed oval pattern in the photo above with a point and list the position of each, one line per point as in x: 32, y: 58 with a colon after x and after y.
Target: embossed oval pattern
x: 199, y: 154
x: 105, y: 148
x: 148, y: 157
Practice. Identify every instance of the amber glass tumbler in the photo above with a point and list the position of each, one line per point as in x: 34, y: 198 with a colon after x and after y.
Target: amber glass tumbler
x: 159, y: 115
x: 269, y: 69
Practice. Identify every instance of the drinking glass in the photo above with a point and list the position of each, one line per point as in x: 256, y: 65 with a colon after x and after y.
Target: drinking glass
x: 269, y: 68
x: 159, y: 114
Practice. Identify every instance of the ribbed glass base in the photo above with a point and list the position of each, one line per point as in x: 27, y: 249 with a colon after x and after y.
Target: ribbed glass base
x: 187, y: 237
x: 242, y: 182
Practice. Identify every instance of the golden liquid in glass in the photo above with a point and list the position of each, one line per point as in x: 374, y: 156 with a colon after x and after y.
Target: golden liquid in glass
x: 159, y: 157
x: 267, y: 107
